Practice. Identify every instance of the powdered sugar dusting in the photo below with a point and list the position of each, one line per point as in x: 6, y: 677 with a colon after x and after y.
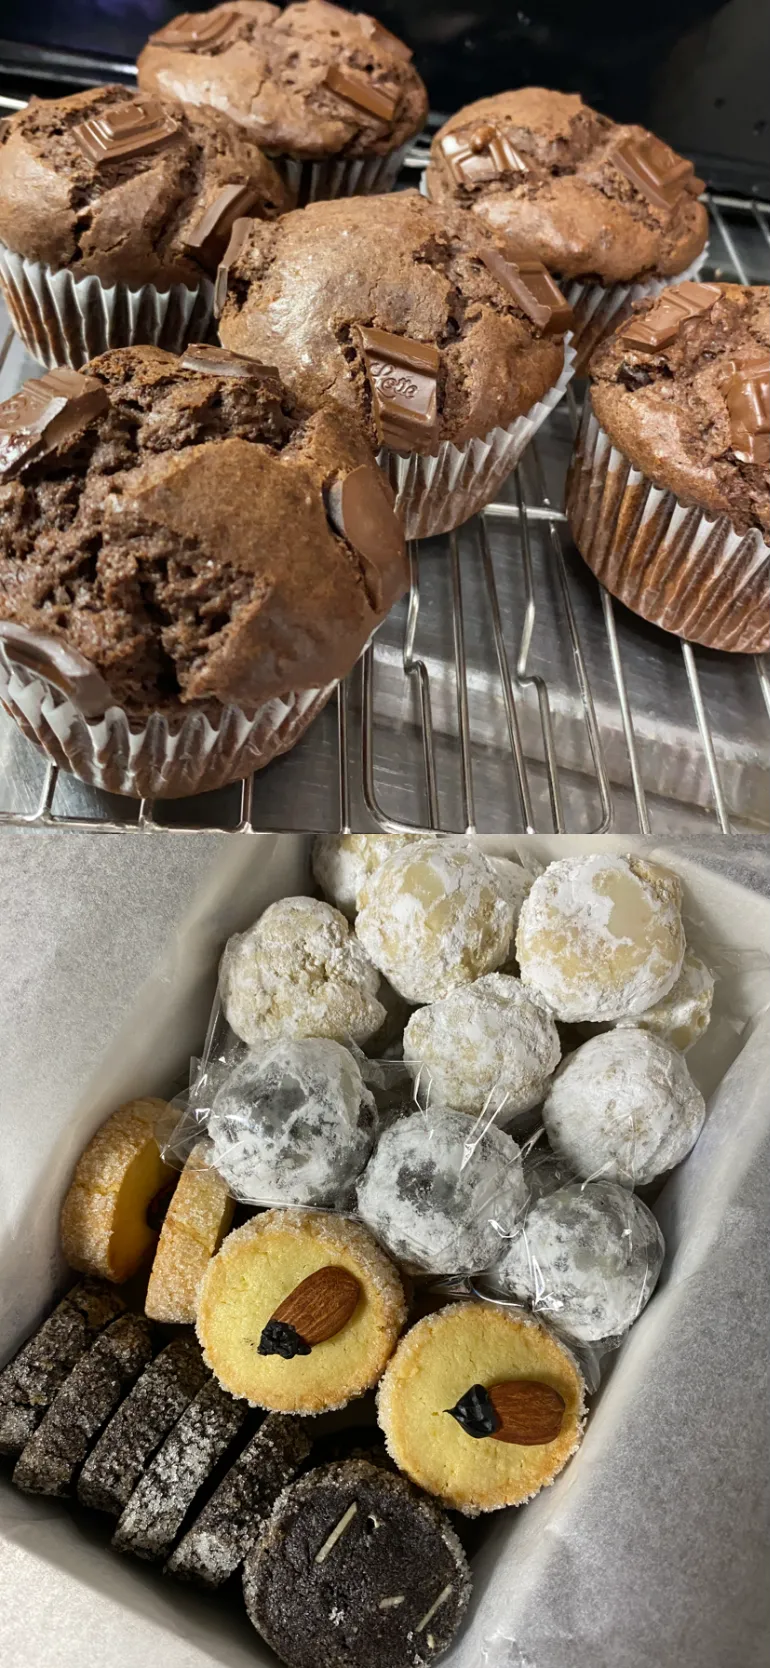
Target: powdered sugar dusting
x: 490, y: 1044
x: 300, y: 972
x: 624, y: 1107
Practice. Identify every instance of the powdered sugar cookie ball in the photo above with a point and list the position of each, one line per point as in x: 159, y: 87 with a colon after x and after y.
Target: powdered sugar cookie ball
x: 601, y: 937
x: 434, y: 916
x: 682, y: 1016
x: 587, y: 1258
x: 624, y: 1106
x: 486, y: 1045
x: 433, y: 1197
x: 342, y: 863
x: 515, y: 880
x: 293, y: 1124
x: 299, y: 972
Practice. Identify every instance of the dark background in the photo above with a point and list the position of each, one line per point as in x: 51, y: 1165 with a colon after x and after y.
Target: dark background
x: 696, y: 71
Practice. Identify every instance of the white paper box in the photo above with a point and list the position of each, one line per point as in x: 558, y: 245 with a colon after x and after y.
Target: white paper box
x: 647, y: 1552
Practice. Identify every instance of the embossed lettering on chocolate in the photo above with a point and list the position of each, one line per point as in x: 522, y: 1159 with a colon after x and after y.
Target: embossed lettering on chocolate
x: 171, y: 525
x: 395, y: 309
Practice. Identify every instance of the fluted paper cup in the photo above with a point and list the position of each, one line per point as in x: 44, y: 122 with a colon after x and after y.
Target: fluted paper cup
x: 599, y: 309
x: 364, y: 176
x: 67, y: 321
x: 162, y: 757
x: 436, y: 494
x: 668, y: 561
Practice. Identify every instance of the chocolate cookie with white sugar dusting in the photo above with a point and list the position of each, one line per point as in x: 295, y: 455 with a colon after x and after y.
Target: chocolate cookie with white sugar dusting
x: 30, y: 1381
x: 225, y: 1531
x: 156, y: 1512
x: 89, y: 1396
x: 157, y: 1401
x: 357, y: 1570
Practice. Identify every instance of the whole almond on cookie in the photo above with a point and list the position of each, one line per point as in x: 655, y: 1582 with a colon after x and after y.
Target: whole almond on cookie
x: 521, y: 1410
x: 316, y: 1310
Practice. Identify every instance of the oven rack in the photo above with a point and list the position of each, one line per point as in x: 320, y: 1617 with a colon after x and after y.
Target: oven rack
x: 507, y: 692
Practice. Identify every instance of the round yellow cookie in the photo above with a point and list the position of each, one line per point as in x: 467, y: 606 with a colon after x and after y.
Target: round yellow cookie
x: 435, y: 1366
x: 347, y: 1317
x: 196, y: 1223
x: 104, y: 1222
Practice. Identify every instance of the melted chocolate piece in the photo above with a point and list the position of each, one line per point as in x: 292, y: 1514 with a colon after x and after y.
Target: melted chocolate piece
x: 377, y: 32
x: 52, y: 659
x: 487, y: 154
x: 361, y: 509
x: 534, y: 290
x: 475, y: 1412
x: 192, y: 31
x: 219, y: 361
x: 46, y: 411
x: 402, y: 375
x: 238, y: 237
x: 209, y: 238
x: 129, y: 130
x: 633, y: 376
x: 358, y: 90
x: 279, y: 1338
x: 746, y: 393
x: 667, y: 317
x: 655, y: 170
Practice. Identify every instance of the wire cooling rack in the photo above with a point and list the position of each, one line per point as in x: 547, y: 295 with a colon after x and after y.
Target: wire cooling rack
x: 507, y: 692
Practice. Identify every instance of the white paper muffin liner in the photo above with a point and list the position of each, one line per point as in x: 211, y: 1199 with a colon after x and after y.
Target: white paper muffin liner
x: 671, y: 563
x: 436, y: 494
x: 599, y: 309
x: 162, y: 758
x: 315, y: 182
x: 66, y: 321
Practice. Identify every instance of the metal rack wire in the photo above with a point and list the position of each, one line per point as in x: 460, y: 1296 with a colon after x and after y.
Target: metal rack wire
x: 508, y: 691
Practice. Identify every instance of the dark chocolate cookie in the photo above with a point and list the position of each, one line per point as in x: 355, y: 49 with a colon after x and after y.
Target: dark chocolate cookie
x: 558, y: 182
x: 226, y: 1529
x: 157, y: 1401
x: 82, y: 1407
x: 356, y: 1569
x: 194, y: 558
x: 128, y: 189
x: 31, y: 1380
x: 155, y: 1514
x: 311, y: 81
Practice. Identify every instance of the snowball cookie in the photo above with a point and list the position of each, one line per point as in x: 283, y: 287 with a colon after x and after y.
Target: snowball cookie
x: 516, y: 882
x: 293, y: 1124
x: 587, y: 1258
x: 342, y: 863
x: 435, y: 916
x: 299, y: 972
x: 682, y: 1016
x: 624, y: 1106
x: 482, y: 1406
x: 438, y: 1200
x: 601, y: 936
x: 487, y: 1045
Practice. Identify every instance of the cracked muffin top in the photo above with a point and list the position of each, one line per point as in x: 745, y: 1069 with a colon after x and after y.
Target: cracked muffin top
x: 557, y: 181
x: 129, y: 188
x: 682, y: 388
x: 189, y: 532
x: 404, y: 313
x: 310, y: 81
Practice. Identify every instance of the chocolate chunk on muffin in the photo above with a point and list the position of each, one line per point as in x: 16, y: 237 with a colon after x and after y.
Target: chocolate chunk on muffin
x: 213, y: 551
x: 409, y: 316
x: 677, y: 422
x: 602, y: 204
x: 134, y: 192
x: 311, y: 83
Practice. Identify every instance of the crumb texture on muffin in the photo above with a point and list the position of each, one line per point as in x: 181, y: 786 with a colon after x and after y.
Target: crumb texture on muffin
x: 569, y: 205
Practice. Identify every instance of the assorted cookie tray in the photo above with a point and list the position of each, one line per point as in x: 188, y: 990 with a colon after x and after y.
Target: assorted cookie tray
x: 404, y: 1184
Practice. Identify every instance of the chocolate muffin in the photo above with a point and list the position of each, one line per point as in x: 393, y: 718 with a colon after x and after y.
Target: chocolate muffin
x: 410, y: 317
x: 604, y: 206
x: 114, y: 211
x: 331, y: 94
x: 189, y: 559
x: 668, y: 488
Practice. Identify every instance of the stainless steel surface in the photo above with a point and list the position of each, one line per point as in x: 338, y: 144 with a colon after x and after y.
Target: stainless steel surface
x: 506, y: 692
